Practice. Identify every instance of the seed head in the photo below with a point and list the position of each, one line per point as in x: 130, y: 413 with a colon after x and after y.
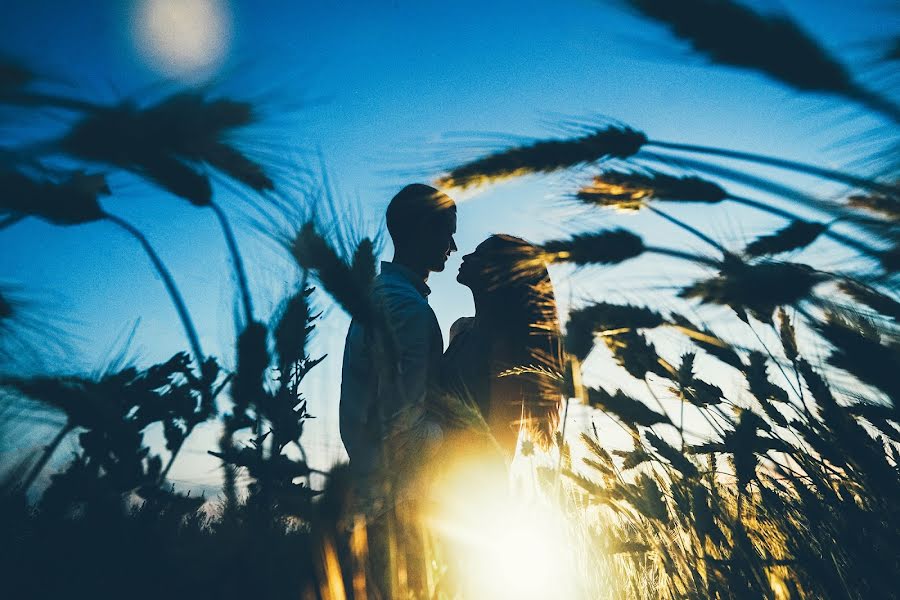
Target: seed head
x: 671, y: 454
x: 293, y: 329
x: 605, y: 247
x: 631, y: 412
x: 731, y: 33
x: 312, y: 251
x: 165, y: 141
x: 603, y: 316
x: 799, y: 234
x: 13, y: 75
x: 629, y: 190
x: 546, y: 156
x: 758, y: 288
x: 885, y: 206
x: 69, y: 201
x: 872, y: 298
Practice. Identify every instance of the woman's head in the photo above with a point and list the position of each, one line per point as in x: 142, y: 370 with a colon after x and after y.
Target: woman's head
x: 512, y: 286
x: 492, y: 262
x: 509, y: 281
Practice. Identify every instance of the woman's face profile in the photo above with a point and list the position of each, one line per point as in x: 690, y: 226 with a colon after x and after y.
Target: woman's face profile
x: 485, y: 265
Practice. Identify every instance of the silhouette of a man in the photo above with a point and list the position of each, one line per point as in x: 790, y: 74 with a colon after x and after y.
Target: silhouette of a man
x: 385, y: 395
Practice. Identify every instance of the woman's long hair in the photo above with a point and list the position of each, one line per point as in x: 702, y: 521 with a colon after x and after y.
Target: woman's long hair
x: 521, y: 292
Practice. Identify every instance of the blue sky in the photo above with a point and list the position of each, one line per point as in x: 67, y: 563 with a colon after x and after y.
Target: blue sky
x: 379, y: 89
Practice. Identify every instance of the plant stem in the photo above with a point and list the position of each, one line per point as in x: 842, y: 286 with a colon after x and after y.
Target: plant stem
x: 780, y: 163
x: 774, y: 360
x: 873, y: 226
x: 689, y: 228
x: 45, y: 457
x: 838, y: 237
x: 171, y: 288
x: 11, y: 220
x: 562, y: 440
x: 658, y: 401
x: 766, y: 185
x: 236, y: 260
x: 39, y: 99
x: 221, y: 386
x: 877, y: 103
x: 165, y: 471
x: 762, y: 206
x: 709, y: 262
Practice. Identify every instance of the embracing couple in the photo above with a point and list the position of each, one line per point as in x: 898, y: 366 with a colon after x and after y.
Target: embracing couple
x: 401, y: 392
x: 393, y: 403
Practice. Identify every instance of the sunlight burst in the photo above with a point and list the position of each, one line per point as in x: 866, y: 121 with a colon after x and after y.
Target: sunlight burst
x: 504, y: 545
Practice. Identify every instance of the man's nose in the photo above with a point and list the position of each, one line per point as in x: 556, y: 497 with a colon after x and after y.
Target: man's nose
x: 453, y: 247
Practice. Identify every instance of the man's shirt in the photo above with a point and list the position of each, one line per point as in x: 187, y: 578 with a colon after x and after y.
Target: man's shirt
x: 375, y: 391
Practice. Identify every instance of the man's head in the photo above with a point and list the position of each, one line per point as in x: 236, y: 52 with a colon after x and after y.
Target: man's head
x: 422, y: 222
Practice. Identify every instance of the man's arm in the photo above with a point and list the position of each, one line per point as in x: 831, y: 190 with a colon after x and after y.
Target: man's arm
x: 410, y: 437
x: 412, y: 324
x: 357, y: 394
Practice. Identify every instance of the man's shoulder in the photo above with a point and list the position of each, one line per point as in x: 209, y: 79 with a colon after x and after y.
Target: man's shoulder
x: 394, y: 294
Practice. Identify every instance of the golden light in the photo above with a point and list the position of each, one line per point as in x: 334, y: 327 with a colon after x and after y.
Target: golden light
x: 502, y: 545
x: 627, y: 197
x: 184, y: 39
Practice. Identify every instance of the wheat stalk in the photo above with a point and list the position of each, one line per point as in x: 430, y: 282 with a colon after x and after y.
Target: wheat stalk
x: 636, y: 189
x: 731, y: 33
x: 546, y: 156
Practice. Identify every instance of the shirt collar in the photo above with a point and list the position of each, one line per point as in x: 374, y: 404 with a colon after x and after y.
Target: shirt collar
x: 406, y: 273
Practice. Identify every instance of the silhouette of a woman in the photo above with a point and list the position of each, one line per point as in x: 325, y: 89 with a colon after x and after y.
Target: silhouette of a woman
x: 515, y: 329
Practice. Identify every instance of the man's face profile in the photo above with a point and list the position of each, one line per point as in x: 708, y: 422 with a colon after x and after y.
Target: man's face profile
x: 436, y: 240
x: 422, y: 223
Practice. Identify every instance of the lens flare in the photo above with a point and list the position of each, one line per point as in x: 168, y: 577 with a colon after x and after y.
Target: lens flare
x: 501, y: 545
x: 184, y: 39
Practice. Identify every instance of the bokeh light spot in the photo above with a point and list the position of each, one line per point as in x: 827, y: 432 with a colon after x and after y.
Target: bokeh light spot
x: 185, y: 39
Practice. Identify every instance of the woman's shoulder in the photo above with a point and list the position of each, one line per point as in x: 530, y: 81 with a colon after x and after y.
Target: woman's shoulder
x: 461, y: 325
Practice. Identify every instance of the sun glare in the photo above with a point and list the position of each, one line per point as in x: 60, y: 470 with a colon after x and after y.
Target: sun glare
x: 502, y: 545
x: 184, y: 39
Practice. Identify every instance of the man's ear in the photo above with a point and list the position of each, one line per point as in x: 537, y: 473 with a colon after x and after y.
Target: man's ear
x: 402, y: 245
